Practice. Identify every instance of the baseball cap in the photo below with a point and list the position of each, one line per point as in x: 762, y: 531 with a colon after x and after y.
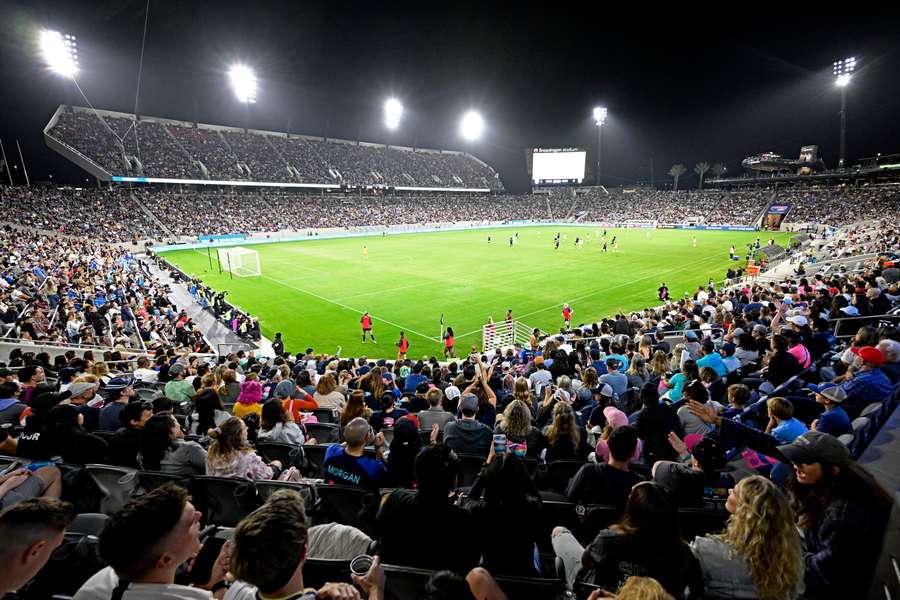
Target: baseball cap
x: 850, y: 311
x: 815, y: 447
x: 615, y: 418
x: 176, y: 369
x: 870, y: 354
x: 452, y: 392
x: 562, y: 395
x: 468, y: 403
x: 690, y: 335
x: 119, y: 383
x: 76, y: 389
x: 798, y: 320
x: 606, y: 390
x: 833, y: 392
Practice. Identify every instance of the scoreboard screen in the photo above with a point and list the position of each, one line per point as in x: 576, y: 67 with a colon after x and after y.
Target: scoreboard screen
x: 557, y: 165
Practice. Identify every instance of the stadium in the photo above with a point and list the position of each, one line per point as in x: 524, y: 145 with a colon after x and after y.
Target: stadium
x: 400, y: 309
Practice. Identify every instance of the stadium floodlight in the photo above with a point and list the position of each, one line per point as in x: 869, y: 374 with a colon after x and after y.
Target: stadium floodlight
x: 843, y: 72
x: 471, y: 126
x: 600, y: 115
x: 393, y: 111
x: 60, y: 52
x: 243, y: 82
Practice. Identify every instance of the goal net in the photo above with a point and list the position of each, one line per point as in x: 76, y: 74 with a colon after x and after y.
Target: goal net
x: 504, y: 335
x: 241, y: 262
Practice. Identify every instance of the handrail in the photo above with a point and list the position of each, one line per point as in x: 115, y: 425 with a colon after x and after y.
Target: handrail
x: 840, y: 320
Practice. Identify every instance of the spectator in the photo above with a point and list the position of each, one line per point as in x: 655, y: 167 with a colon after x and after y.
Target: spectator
x: 404, y: 448
x: 177, y: 389
x: 125, y: 445
x: 231, y: 456
x: 11, y: 408
x: 389, y: 413
x: 144, y: 373
x: 654, y: 422
x: 782, y: 424
x: 32, y: 530
x: 163, y: 448
x: 467, y: 435
x: 269, y: 549
x: 646, y: 540
x: 866, y: 382
x: 503, y: 498
x: 355, y: 407
x: 70, y: 440
x: 119, y: 393
x: 248, y: 400
x: 208, y: 412
x: 435, y: 415
x: 617, y: 380
x: 564, y: 440
x: 609, y: 482
x: 326, y: 394
x: 758, y: 555
x: 276, y: 425
x: 347, y: 463
x: 145, y: 543
x: 840, y: 509
x: 230, y: 389
x: 449, y: 539
x: 689, y: 423
x: 687, y: 482
x: 615, y: 419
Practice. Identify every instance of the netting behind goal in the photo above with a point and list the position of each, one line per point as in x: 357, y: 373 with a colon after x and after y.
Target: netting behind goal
x: 504, y: 335
x: 239, y: 261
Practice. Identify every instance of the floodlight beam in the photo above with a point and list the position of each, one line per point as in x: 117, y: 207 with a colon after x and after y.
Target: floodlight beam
x: 471, y: 125
x: 243, y: 82
x: 59, y: 53
x: 393, y: 112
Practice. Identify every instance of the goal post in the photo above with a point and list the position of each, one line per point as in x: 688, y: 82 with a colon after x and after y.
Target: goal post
x: 240, y: 261
x: 504, y: 335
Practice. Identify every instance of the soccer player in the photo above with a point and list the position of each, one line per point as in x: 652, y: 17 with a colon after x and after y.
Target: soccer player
x: 489, y: 239
x: 366, y: 322
x: 556, y: 244
x: 449, y: 352
x: 695, y: 241
x: 567, y: 315
x: 402, y: 346
x: 648, y: 234
x: 603, y: 249
x: 577, y: 240
x: 510, y: 241
x: 731, y: 252
x: 365, y: 252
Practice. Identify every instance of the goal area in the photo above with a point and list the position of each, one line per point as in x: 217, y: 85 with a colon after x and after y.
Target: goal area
x: 239, y: 261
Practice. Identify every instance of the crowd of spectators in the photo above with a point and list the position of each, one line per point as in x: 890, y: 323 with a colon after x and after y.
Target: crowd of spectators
x: 740, y: 402
x: 172, y: 150
x: 68, y: 290
x: 829, y: 205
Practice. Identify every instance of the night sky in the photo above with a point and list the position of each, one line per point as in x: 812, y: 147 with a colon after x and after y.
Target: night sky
x: 678, y: 89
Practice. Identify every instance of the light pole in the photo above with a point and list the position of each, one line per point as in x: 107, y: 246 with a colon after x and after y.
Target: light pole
x: 842, y: 72
x: 599, y: 119
x: 243, y: 83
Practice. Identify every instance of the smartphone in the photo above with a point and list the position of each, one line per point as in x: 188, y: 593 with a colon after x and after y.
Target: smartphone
x: 206, y: 558
x: 499, y: 443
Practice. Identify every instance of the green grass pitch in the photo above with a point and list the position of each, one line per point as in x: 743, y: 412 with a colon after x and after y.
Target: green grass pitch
x: 314, y: 291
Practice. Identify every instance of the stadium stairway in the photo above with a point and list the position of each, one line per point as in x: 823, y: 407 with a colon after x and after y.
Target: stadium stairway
x: 215, y: 332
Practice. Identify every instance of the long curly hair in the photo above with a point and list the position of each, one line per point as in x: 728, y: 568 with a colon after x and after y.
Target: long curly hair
x: 516, y: 419
x: 761, y: 529
x: 522, y: 392
x: 564, y: 425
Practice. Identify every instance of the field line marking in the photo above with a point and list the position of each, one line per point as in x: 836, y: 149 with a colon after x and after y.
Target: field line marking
x: 346, y: 307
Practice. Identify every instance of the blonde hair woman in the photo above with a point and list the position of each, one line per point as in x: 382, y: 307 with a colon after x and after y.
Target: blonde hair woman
x: 522, y: 392
x: 759, y: 554
x: 516, y: 425
x: 327, y: 395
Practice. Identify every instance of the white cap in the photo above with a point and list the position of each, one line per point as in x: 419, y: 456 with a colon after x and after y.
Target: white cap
x: 798, y: 320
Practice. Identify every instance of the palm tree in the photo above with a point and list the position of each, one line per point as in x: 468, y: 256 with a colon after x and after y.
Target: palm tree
x: 700, y: 169
x: 719, y: 169
x: 677, y: 171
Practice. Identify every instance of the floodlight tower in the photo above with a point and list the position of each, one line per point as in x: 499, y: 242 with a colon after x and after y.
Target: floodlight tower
x: 843, y: 70
x: 471, y: 126
x: 243, y: 83
x: 60, y: 53
x: 393, y: 113
x: 599, y: 119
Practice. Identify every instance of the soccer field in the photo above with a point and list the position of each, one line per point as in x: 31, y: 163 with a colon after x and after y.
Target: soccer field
x: 315, y: 291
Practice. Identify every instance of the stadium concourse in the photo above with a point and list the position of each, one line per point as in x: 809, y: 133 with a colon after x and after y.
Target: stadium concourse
x: 681, y: 422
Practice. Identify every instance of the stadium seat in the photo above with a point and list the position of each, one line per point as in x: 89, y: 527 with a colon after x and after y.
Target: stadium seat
x: 696, y: 522
x: 325, y: 415
x: 149, y: 480
x: 265, y: 489
x: 220, y: 499
x: 70, y: 565
x: 557, y: 475
x: 425, y: 436
x: 319, y: 571
x: 388, y: 433
x: 861, y: 429
x: 407, y: 583
x: 325, y: 433
x: 116, y: 485
x: 593, y: 519
x: 875, y: 411
x: 87, y: 523
x: 347, y: 505
x: 556, y: 513
x: 470, y: 466
x: 104, y: 435
x: 847, y: 440
x: 288, y: 455
x: 315, y: 460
